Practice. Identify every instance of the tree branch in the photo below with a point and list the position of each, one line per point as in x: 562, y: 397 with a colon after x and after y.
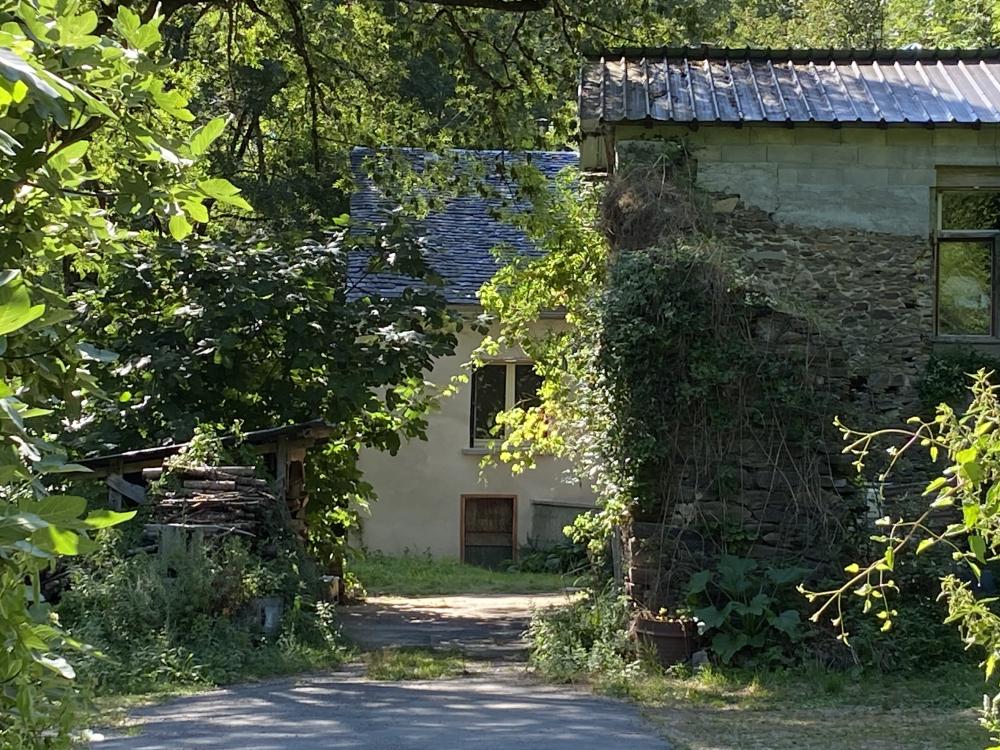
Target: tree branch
x: 507, y: 6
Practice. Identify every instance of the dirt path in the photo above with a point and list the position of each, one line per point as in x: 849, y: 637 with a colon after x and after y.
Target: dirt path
x: 496, y: 708
x: 486, y: 626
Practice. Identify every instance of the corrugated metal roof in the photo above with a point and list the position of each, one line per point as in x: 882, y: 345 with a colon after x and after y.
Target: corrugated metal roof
x: 461, y: 236
x: 928, y: 87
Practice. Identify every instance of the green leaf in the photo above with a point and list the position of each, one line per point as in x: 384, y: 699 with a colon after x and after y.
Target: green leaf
x: 788, y: 622
x: 978, y: 546
x: 965, y: 456
x: 924, y: 544
x: 224, y: 192
x: 699, y: 581
x: 102, y: 519
x: 16, y: 310
x: 727, y: 645
x: 179, y: 227
x: 970, y: 514
x: 58, y: 665
x: 60, y: 541
x: 204, y: 136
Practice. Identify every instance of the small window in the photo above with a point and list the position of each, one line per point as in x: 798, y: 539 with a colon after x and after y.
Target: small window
x: 967, y: 245
x: 489, y: 398
x: 497, y: 388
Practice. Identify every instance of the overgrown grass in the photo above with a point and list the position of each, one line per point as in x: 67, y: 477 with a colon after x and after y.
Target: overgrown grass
x: 818, y: 709
x: 422, y: 575
x: 413, y: 664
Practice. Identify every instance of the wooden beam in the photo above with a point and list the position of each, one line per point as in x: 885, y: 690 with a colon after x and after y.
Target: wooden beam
x: 133, y: 492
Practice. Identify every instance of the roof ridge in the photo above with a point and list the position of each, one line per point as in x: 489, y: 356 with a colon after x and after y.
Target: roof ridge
x: 832, y: 54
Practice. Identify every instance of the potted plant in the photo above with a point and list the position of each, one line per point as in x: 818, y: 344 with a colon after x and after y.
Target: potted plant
x: 673, y: 637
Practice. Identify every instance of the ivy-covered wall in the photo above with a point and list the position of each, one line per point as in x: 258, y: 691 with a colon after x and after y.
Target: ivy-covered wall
x: 839, y: 321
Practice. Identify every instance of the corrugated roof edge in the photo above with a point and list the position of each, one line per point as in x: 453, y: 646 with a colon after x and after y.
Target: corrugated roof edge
x: 797, y: 55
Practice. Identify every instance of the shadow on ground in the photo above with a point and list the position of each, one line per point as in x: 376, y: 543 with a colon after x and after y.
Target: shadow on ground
x: 342, y: 710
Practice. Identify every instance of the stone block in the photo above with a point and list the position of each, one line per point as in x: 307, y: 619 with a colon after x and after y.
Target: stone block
x: 924, y: 177
x: 720, y: 135
x: 767, y: 135
x: 989, y: 136
x: 917, y: 157
x: 789, y: 154
x: 821, y: 134
x: 834, y: 155
x: 864, y: 136
x: 971, y: 155
x: 744, y: 153
x: 955, y: 137
x: 909, y: 136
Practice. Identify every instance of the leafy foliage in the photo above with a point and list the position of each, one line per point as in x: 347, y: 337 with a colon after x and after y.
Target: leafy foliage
x: 185, y: 618
x: 747, y: 614
x: 961, y: 517
x: 588, y: 636
x: 93, y: 143
x: 946, y: 378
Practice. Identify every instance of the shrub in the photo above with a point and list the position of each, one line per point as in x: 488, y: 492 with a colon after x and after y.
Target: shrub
x: 946, y: 378
x: 185, y: 618
x: 587, y: 637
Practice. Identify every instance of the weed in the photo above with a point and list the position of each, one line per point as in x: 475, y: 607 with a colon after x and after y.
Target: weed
x: 413, y: 664
x: 420, y: 575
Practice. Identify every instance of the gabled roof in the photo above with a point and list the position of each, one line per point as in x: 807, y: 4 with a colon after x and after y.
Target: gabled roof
x: 710, y: 85
x: 460, y: 238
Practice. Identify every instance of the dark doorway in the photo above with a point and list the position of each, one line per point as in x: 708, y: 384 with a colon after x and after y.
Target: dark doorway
x: 489, y: 530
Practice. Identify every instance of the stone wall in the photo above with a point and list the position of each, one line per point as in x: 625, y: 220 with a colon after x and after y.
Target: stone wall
x: 871, y: 292
x: 855, y: 312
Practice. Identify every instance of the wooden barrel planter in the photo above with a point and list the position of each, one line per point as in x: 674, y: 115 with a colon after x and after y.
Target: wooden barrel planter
x: 674, y: 640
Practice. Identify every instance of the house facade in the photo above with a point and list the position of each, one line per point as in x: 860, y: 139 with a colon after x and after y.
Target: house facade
x: 433, y: 495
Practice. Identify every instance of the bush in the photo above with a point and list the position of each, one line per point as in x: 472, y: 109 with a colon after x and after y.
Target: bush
x: 184, y: 618
x: 946, y: 379
x: 589, y: 637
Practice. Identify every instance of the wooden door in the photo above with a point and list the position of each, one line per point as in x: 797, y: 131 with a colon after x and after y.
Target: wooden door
x: 489, y: 530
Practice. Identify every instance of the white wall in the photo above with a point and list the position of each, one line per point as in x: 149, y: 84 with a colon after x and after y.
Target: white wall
x: 420, y: 488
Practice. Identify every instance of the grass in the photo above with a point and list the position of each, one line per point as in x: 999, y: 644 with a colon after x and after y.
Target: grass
x: 413, y: 664
x: 818, y: 710
x: 421, y: 575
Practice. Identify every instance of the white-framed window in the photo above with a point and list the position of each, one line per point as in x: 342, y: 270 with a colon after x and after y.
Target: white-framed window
x: 967, y: 246
x: 498, y: 387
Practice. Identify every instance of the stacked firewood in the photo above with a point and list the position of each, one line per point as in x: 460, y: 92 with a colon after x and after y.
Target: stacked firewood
x: 213, y: 499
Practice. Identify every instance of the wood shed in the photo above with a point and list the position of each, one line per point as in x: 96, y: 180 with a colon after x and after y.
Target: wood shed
x: 284, y: 450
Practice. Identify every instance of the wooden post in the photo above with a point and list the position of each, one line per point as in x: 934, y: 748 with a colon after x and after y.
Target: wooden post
x: 281, y: 470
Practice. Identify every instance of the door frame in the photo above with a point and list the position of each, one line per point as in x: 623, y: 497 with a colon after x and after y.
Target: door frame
x: 513, y: 529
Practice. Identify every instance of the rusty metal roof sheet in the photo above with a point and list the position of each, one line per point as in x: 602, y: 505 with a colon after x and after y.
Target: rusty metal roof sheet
x: 882, y: 87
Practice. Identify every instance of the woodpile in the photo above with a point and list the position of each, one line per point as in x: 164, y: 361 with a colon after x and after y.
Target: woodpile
x: 212, y: 499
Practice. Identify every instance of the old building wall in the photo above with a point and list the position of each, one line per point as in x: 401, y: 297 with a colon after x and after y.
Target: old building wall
x: 420, y: 489
x: 836, y: 226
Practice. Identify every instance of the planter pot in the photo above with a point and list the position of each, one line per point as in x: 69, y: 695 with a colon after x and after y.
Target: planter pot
x: 267, y: 613
x: 673, y: 640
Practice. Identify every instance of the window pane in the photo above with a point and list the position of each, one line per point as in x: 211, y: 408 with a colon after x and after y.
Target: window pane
x: 526, y: 385
x: 964, y: 288
x: 489, y: 389
x: 979, y: 209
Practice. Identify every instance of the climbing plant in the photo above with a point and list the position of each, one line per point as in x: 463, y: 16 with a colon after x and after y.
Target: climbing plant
x: 961, y: 516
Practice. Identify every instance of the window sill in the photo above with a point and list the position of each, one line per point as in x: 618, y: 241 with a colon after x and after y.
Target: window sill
x: 958, y: 339
x: 477, y: 451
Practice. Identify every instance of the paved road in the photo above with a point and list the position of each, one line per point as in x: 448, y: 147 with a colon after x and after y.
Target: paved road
x: 342, y: 710
x: 497, y: 708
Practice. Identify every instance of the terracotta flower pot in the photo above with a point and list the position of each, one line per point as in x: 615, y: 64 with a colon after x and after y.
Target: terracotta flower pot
x: 674, y: 640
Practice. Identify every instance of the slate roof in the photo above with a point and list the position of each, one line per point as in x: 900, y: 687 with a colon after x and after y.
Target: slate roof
x: 706, y: 85
x: 460, y: 237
